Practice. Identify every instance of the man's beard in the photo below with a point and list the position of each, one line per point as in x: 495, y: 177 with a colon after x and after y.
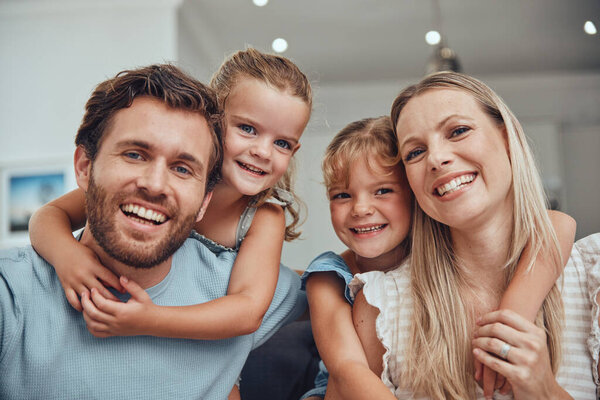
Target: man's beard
x: 135, y: 253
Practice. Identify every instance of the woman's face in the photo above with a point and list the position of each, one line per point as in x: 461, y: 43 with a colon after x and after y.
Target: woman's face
x: 456, y: 158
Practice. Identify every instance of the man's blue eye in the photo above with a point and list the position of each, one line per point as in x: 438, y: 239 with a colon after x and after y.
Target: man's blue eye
x: 413, y: 154
x: 247, y: 128
x: 133, y: 155
x: 182, y: 170
x: 384, y: 191
x: 284, y: 144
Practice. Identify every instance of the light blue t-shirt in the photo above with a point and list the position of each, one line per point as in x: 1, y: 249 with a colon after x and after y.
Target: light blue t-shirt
x: 46, y: 351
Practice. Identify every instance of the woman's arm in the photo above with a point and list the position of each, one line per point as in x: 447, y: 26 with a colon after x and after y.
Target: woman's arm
x: 77, y: 267
x: 528, y: 289
x: 240, y: 312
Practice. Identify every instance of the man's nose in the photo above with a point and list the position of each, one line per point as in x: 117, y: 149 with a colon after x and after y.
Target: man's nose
x: 154, y: 178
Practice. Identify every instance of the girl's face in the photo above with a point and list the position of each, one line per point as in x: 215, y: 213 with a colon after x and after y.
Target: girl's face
x: 456, y: 158
x: 372, y: 214
x: 263, y: 126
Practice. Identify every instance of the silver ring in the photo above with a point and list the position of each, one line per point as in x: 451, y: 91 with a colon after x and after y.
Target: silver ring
x: 504, y: 351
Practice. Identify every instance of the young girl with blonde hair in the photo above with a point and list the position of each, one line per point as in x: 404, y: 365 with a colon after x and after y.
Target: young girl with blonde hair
x: 267, y: 103
x: 479, y: 229
x: 371, y: 210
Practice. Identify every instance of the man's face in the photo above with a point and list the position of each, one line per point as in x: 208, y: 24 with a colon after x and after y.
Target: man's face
x: 145, y: 188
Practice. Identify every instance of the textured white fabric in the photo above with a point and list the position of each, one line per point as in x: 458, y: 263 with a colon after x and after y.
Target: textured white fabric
x: 578, y: 373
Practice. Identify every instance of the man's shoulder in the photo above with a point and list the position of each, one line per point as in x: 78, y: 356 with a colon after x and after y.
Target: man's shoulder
x: 18, y: 266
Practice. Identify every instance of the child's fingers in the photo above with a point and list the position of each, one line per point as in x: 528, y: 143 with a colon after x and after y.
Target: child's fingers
x: 478, y: 370
x: 73, y: 299
x: 489, y: 379
x: 109, y: 279
x: 91, y: 310
x: 134, y: 290
x: 506, y: 387
x: 500, y: 380
x: 102, y: 304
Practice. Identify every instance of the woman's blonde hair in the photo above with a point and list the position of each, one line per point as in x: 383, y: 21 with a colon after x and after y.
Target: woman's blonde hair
x: 280, y: 73
x: 438, y: 359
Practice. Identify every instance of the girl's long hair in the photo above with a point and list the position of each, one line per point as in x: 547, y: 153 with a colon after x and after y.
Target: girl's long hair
x: 438, y: 360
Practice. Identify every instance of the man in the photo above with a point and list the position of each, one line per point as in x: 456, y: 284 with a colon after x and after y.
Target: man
x: 150, y: 137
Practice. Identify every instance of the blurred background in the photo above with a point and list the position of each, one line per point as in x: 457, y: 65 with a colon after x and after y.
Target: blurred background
x: 541, y: 56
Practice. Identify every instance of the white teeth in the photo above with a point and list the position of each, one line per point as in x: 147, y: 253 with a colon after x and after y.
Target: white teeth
x: 144, y: 213
x: 369, y: 229
x: 455, y: 184
x: 252, y: 168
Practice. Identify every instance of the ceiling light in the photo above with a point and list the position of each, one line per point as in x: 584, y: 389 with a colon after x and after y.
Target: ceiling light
x: 260, y: 3
x: 279, y: 45
x: 433, y: 37
x: 589, y: 28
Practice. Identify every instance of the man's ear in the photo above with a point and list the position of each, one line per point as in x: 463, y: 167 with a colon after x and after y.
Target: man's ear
x: 205, y: 202
x: 83, y: 168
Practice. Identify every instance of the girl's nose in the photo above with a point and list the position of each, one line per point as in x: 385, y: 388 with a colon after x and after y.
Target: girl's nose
x: 362, y: 208
x: 261, y: 149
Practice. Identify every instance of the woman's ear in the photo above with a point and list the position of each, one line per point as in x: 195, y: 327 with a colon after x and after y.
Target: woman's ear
x: 83, y: 168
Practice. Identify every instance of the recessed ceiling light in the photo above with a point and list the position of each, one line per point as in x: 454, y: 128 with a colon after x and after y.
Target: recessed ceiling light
x: 260, y: 3
x: 279, y: 45
x: 433, y: 37
x: 589, y: 28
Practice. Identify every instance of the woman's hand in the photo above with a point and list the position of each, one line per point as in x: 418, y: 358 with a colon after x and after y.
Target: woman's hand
x: 84, y: 272
x: 105, y: 317
x: 517, y: 349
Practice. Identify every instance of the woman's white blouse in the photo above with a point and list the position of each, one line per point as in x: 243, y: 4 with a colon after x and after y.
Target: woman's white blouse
x: 578, y: 372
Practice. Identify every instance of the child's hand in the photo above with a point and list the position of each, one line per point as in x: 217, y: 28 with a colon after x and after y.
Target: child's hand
x: 105, y: 317
x: 489, y: 380
x: 82, y: 273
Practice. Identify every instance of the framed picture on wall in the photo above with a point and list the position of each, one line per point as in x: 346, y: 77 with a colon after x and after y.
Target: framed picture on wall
x: 24, y: 190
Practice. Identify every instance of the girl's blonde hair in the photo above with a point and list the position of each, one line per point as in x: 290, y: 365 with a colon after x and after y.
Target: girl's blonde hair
x: 438, y: 359
x: 371, y: 139
x: 280, y: 73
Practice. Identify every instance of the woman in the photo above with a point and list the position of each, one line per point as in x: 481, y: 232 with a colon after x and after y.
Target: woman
x: 480, y: 201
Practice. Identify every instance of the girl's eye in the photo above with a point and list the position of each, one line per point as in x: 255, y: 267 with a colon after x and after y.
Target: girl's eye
x: 413, y: 154
x: 383, y: 191
x: 339, y: 196
x: 248, y: 129
x: 459, y: 131
x: 133, y: 155
x: 284, y: 144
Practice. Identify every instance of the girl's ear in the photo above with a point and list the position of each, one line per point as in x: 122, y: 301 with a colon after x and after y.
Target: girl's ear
x: 83, y: 168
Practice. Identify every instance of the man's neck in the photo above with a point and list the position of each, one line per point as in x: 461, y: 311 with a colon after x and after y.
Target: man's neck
x: 145, y: 277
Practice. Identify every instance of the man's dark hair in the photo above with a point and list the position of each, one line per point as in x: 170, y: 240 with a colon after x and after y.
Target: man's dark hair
x: 164, y: 82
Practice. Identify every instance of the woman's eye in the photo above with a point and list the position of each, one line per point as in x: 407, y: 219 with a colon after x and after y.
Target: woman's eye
x: 383, y: 191
x: 338, y: 196
x: 284, y: 144
x: 459, y: 131
x: 247, y: 128
x: 413, y: 154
